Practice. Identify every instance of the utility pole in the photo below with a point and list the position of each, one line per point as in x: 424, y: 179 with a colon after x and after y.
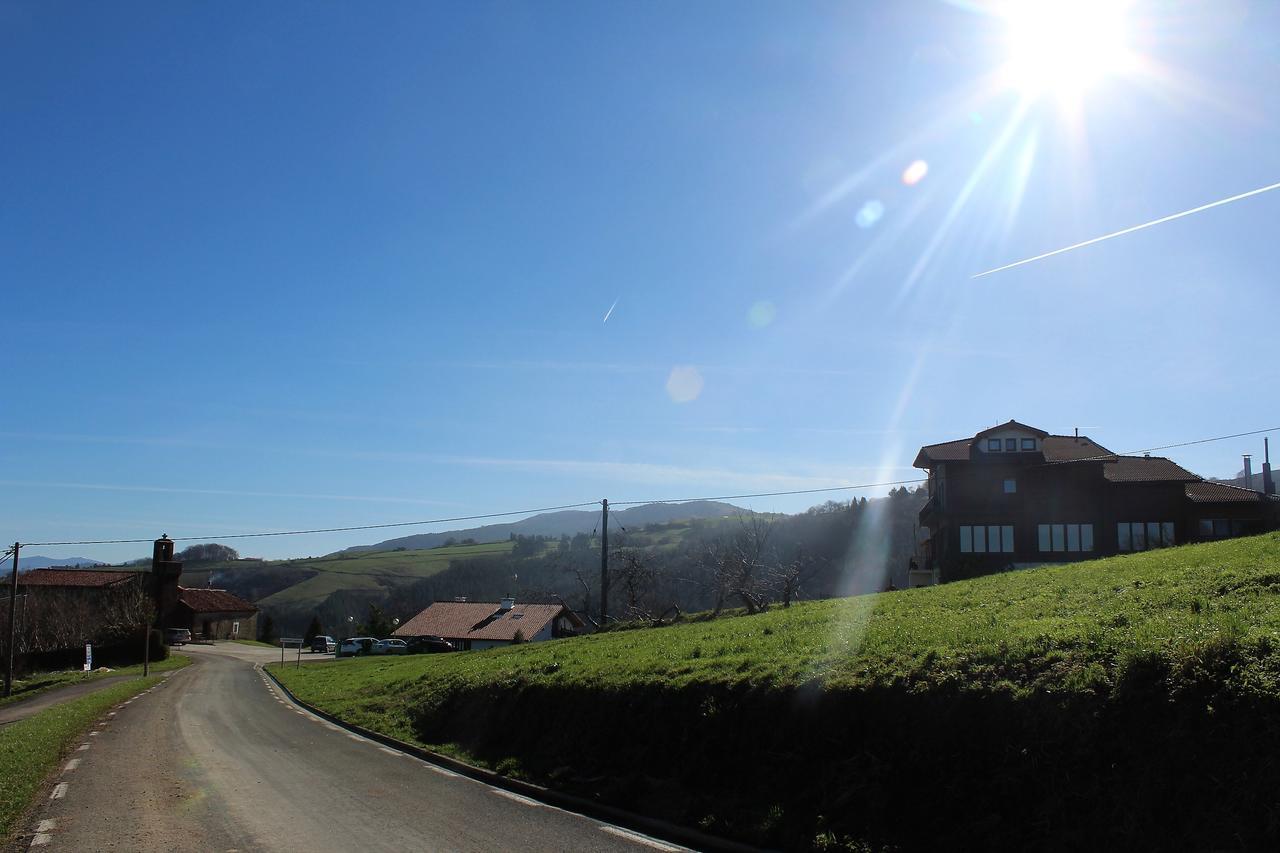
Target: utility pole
x: 604, y: 564
x: 13, y: 615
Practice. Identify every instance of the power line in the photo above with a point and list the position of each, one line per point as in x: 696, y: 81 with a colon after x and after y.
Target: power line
x: 814, y: 491
x: 772, y: 494
x: 322, y: 529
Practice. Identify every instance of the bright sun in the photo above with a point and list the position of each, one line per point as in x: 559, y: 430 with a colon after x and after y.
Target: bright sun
x: 1062, y: 47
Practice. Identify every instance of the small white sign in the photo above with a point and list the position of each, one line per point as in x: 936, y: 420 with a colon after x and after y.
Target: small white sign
x: 88, y: 657
x: 235, y: 629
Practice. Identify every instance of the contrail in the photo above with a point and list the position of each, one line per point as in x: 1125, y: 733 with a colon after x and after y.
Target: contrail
x: 1131, y: 229
x: 609, y: 313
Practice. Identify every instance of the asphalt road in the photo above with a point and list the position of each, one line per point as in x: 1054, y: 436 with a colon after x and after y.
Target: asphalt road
x: 214, y: 758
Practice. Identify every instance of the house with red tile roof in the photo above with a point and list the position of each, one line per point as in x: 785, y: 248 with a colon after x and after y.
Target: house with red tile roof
x: 1014, y: 496
x: 214, y: 614
x: 485, y: 624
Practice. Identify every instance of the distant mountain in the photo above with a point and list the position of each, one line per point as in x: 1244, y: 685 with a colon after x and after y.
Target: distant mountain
x: 559, y: 523
x: 38, y: 562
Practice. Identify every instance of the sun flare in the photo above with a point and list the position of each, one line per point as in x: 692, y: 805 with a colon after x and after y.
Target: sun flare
x: 1064, y: 48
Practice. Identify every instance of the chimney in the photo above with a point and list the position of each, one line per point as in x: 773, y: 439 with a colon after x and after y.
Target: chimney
x: 507, y: 604
x: 460, y: 599
x: 1248, y: 471
x: 1268, y: 481
x: 165, y: 574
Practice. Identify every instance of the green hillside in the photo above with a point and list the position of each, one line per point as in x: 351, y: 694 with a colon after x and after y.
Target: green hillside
x: 1127, y: 701
x: 311, y: 580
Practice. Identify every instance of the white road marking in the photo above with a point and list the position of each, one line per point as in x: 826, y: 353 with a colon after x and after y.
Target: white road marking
x: 111, y: 714
x: 93, y: 734
x: 83, y: 747
x: 442, y: 771
x: 47, y: 825
x: 638, y: 838
x: 72, y: 764
x: 59, y: 791
x: 40, y: 839
x: 519, y: 798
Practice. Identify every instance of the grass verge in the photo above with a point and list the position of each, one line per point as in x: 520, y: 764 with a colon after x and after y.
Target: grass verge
x: 31, y: 748
x: 1131, y: 701
x: 41, y: 682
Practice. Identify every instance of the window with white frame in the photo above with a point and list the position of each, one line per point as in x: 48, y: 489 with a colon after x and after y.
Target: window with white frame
x: 1065, y: 538
x: 1144, y: 535
x: 986, y: 538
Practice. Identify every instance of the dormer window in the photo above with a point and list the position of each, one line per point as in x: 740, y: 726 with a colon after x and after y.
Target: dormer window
x: 1028, y: 444
x: 994, y: 445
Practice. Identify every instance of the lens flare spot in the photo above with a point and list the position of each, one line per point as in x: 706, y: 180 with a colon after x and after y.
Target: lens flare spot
x: 684, y: 384
x: 915, y: 173
x: 761, y: 314
x: 869, y: 214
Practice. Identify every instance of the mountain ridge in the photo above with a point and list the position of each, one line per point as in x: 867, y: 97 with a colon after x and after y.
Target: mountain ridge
x: 570, y: 522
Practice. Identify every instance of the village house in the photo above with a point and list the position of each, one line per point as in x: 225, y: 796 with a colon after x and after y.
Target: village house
x: 483, y: 625
x: 214, y: 614
x: 100, y: 594
x: 1015, y: 496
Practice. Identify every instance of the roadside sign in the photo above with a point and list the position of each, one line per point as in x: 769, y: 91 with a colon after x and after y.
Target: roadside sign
x: 289, y: 643
x: 88, y: 657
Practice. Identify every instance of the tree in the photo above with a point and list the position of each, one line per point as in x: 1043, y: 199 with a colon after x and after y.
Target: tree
x: 267, y: 632
x: 377, y: 625
x: 207, y: 553
x: 315, y: 629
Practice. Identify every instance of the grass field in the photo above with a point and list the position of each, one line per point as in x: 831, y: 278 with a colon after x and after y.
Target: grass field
x: 1055, y: 700
x: 31, y: 748
x: 39, y: 682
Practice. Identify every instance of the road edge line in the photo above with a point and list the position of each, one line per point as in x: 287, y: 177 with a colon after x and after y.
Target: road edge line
x: 659, y: 829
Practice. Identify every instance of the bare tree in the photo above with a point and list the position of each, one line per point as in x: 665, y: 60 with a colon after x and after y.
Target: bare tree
x: 636, y: 578
x: 787, y: 579
x: 738, y: 567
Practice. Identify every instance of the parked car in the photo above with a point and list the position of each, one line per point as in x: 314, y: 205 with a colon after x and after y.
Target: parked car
x: 177, y: 636
x: 391, y: 647
x: 323, y: 645
x: 355, y: 646
x: 429, y: 645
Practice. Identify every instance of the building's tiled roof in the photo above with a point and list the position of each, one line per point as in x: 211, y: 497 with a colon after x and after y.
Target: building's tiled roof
x: 75, y: 578
x: 1072, y: 448
x: 1012, y: 424
x: 1146, y: 469
x: 1056, y: 448
x: 1205, y: 492
x: 213, y: 601
x: 947, y: 451
x: 471, y: 620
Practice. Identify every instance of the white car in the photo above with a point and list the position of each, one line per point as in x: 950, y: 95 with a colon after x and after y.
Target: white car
x: 390, y: 647
x: 354, y: 646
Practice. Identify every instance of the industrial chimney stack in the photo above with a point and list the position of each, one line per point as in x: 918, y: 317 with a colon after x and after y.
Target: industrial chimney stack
x: 1268, y: 482
x: 1248, y: 471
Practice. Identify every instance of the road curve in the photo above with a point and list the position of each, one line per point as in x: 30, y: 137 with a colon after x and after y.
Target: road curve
x: 216, y: 759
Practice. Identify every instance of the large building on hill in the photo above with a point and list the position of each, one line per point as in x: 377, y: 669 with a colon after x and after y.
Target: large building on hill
x: 1015, y: 496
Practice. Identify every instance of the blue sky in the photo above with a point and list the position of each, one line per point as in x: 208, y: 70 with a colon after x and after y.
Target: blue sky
x: 269, y: 266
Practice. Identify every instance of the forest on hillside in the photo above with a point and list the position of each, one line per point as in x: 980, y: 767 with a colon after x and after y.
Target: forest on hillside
x: 751, y: 560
